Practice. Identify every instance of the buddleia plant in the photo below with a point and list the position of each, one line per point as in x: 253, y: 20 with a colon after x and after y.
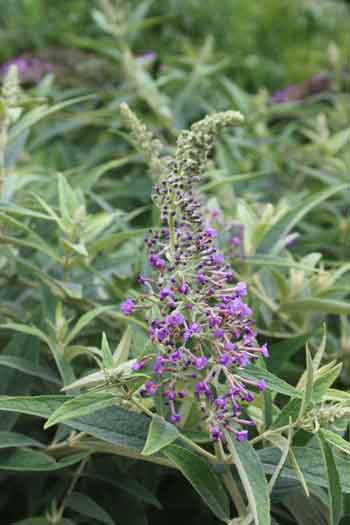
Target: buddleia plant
x: 188, y: 385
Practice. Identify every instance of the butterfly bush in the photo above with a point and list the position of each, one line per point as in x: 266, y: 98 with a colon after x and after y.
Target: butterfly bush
x: 200, y: 326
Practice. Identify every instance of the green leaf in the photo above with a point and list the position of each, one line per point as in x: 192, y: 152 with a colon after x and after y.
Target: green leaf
x: 35, y: 370
x: 308, y: 388
x: 321, y: 385
x: 80, y: 406
x: 325, y: 377
x: 203, y: 479
x: 288, y: 221
x: 83, y: 504
x: 313, y: 304
x: 13, y: 439
x: 334, y: 486
x: 42, y: 406
x: 284, y: 444
x: 42, y: 521
x: 107, y: 357
x: 122, y: 351
x: 85, y: 320
x: 41, y: 112
x: 26, y: 329
x: 273, y: 382
x: 281, y: 352
x: 253, y: 479
x: 295, y: 465
x: 335, y: 440
x: 311, y: 464
x: 160, y: 434
x: 34, y: 460
x: 67, y: 200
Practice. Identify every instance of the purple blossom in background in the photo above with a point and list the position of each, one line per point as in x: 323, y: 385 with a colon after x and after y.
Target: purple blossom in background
x: 147, y: 58
x: 30, y: 69
x: 316, y: 84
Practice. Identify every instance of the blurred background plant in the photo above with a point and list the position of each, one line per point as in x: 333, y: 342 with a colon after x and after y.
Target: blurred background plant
x: 76, y: 205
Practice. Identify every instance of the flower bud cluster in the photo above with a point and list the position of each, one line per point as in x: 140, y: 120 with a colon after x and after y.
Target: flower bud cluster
x: 200, y: 326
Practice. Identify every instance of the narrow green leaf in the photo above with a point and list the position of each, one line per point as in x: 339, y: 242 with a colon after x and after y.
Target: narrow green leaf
x: 311, y: 465
x: 124, y: 429
x: 335, y: 440
x: 203, y: 479
x: 26, y: 329
x: 284, y: 444
x: 281, y: 352
x: 22, y: 459
x: 295, y: 465
x: 107, y: 357
x: 23, y: 365
x: 253, y: 479
x: 83, y: 504
x: 14, y: 439
x: 160, y: 434
x: 325, y: 380
x: 273, y: 382
x: 334, y: 486
x: 279, y: 230
x: 41, y: 406
x: 85, y: 320
x: 308, y: 388
x: 321, y: 350
x: 81, y: 406
x: 314, y: 304
x: 122, y: 351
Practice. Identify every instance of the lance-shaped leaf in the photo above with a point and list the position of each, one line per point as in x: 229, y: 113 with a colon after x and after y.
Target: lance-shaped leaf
x: 203, y: 479
x: 273, y: 382
x: 81, y: 406
x: 160, y: 434
x: 253, y: 479
x: 335, y: 440
x: 334, y: 486
x: 86, y: 506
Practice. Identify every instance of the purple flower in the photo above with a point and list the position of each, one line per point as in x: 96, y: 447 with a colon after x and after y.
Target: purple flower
x: 261, y: 384
x: 219, y: 333
x: 216, y: 434
x: 201, y: 278
x: 264, y: 351
x: 225, y: 360
x: 142, y: 280
x: 156, y: 262
x: 127, y: 307
x: 183, y: 288
x: 200, y: 362
x: 158, y: 365
x: 193, y: 329
x: 150, y: 388
x: 166, y: 292
x: 175, y: 418
x: 211, y: 233
x: 137, y: 366
x: 218, y: 258
x: 241, y: 435
x: 176, y: 356
x: 175, y: 320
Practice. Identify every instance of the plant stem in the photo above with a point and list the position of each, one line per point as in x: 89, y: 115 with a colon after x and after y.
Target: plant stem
x: 71, y: 487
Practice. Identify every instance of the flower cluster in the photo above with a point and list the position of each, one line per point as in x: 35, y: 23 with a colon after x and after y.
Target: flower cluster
x: 199, y: 323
